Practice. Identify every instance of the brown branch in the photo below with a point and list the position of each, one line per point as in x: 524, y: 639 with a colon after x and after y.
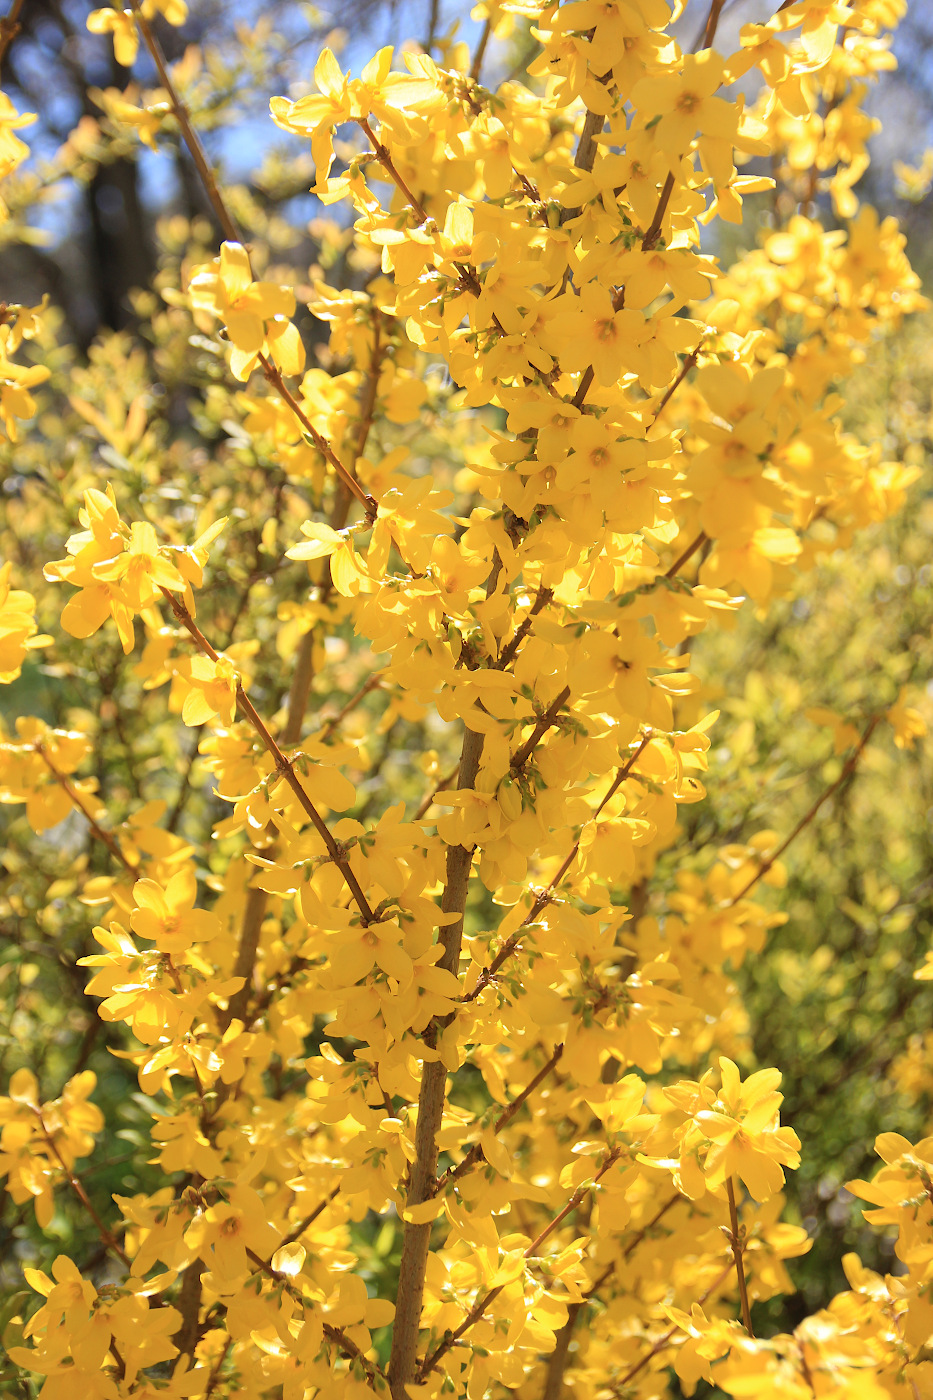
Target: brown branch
x: 688, y: 364
x: 585, y: 156
x: 737, y: 1241
x: 107, y: 1236
x: 303, y: 675
x: 543, y: 724
x: 384, y: 157
x: 479, y: 1307
x: 662, y: 1342
x: 432, y: 26
x: 416, y: 1237
x: 188, y: 1303
x: 653, y: 232
x: 368, y: 403
x: 476, y: 1153
x: 108, y: 839
x: 372, y: 682
x: 712, y: 22
x: 334, y: 1334
x: 688, y: 553
x: 183, y: 789
x: 254, y: 913
x: 557, y: 1364
x: 469, y: 282
x: 309, y: 1219
x: 802, y: 1351
x: 476, y: 66
x: 543, y: 897
x: 121, y: 1364
x: 347, y: 479
x: 652, y: 235
x: 299, y: 689
x: 9, y: 28
x: 506, y: 656
x: 543, y: 597
x: 283, y: 765
x: 583, y: 388
x: 557, y: 1360
x: 191, y: 138
x: 442, y: 786
x: 217, y: 1367
x: 257, y: 899
x: 847, y: 769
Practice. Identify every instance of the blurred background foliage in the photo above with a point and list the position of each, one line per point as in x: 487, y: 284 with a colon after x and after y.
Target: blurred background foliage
x: 106, y: 227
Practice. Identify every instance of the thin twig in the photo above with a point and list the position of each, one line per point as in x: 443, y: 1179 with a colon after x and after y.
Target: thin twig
x: 476, y: 67
x: 334, y: 1334
x: 9, y: 28
x: 384, y: 157
x: 442, y: 786
x: 847, y: 769
x: 653, y: 231
x: 191, y: 138
x: 662, y: 1342
x: 309, y: 1219
x: 476, y: 1153
x: 274, y: 375
x: 543, y: 897
x: 737, y: 1240
x: 687, y: 554
x: 109, y: 1239
x: 542, y: 725
x: 372, y: 683
x: 506, y: 656
x: 432, y: 26
x: 688, y: 364
x: 557, y: 1361
x: 283, y: 766
x: 480, y: 1306
x: 469, y: 281
x: 216, y: 1369
x: 108, y: 839
x: 712, y: 22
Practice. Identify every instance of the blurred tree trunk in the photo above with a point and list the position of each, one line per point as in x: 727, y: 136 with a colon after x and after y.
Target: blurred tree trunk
x: 120, y: 251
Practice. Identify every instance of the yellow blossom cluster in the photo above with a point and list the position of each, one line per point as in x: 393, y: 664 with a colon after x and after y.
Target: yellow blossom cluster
x: 13, y: 150
x: 19, y: 633
x: 468, y: 1017
x: 40, y: 1142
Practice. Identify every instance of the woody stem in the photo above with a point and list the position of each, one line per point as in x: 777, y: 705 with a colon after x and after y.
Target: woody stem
x: 738, y: 1250
x: 416, y: 1237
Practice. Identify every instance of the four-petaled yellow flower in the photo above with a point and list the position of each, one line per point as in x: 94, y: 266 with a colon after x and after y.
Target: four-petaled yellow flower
x: 734, y: 1132
x: 684, y: 105
x: 168, y: 918
x: 257, y: 315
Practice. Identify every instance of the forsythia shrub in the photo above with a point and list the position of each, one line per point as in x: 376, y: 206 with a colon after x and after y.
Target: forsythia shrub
x: 438, y: 1083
